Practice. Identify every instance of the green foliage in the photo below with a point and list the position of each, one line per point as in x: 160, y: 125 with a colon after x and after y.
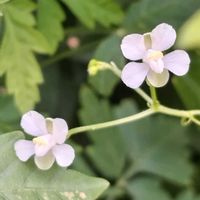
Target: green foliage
x: 189, y: 33
x: 9, y: 115
x: 50, y: 17
x: 104, y: 153
x: 3, y: 1
x: 154, y: 144
x: 26, y: 181
x: 105, y: 12
x: 147, y: 189
x: 188, y: 195
x: 17, y: 60
x: 188, y: 86
x: 105, y: 81
x: 145, y: 14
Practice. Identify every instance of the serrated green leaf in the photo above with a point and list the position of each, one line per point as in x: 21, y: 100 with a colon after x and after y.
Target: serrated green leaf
x: 17, y: 61
x: 24, y: 181
x: 50, y: 17
x: 146, y: 14
x: 105, y: 12
x: 108, y: 50
x: 189, y: 33
x: 147, y: 189
x: 156, y: 145
x: 107, y: 149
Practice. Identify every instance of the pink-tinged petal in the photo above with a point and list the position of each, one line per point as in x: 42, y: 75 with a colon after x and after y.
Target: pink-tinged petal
x: 60, y: 130
x: 177, y: 62
x: 158, y: 80
x: 133, y: 46
x: 45, y: 162
x: 134, y: 74
x: 24, y: 149
x: 163, y: 37
x: 64, y: 154
x: 156, y: 65
x: 33, y: 123
x: 43, y: 144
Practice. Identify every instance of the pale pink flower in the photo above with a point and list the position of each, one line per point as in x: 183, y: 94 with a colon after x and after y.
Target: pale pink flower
x: 48, y: 144
x: 149, y: 48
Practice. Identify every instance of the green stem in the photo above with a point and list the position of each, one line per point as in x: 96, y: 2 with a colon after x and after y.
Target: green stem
x: 190, y: 114
x: 117, y: 122
x: 155, y: 102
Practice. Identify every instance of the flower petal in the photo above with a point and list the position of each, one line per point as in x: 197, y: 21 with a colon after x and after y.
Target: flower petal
x: 163, y: 37
x: 24, y: 149
x: 64, y: 154
x: 45, y: 162
x: 133, y: 46
x: 33, y: 123
x: 60, y: 130
x: 177, y: 62
x: 134, y: 74
x: 43, y: 144
x: 158, y: 80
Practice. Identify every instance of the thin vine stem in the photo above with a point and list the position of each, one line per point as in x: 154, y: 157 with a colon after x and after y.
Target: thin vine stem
x: 189, y: 114
x: 108, y: 124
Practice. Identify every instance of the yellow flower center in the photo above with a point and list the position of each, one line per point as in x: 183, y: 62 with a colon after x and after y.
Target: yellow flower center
x: 154, y: 55
x: 39, y: 141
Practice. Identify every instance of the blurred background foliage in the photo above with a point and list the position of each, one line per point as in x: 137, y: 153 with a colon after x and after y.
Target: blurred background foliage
x: 45, y: 49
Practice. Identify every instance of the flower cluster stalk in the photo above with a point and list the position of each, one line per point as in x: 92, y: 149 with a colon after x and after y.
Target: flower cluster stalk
x: 154, y: 107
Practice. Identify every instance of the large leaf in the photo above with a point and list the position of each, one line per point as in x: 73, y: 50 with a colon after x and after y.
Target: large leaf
x: 147, y: 189
x: 189, y: 34
x: 108, y: 148
x: 24, y: 181
x: 17, y: 60
x: 108, y: 50
x: 106, y: 12
x: 156, y: 145
x: 188, y: 86
x: 145, y: 14
x: 50, y: 18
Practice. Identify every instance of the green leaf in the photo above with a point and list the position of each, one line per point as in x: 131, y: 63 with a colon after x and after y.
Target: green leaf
x: 105, y: 12
x: 146, y: 14
x: 50, y: 17
x: 9, y: 115
x: 147, y: 189
x: 17, y: 61
x: 189, y: 34
x: 108, y: 50
x: 107, y: 149
x: 156, y: 145
x: 188, y: 195
x: 24, y: 181
x: 188, y: 86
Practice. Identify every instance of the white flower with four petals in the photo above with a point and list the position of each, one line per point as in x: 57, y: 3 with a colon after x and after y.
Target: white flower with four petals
x: 154, y: 66
x: 48, y: 144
